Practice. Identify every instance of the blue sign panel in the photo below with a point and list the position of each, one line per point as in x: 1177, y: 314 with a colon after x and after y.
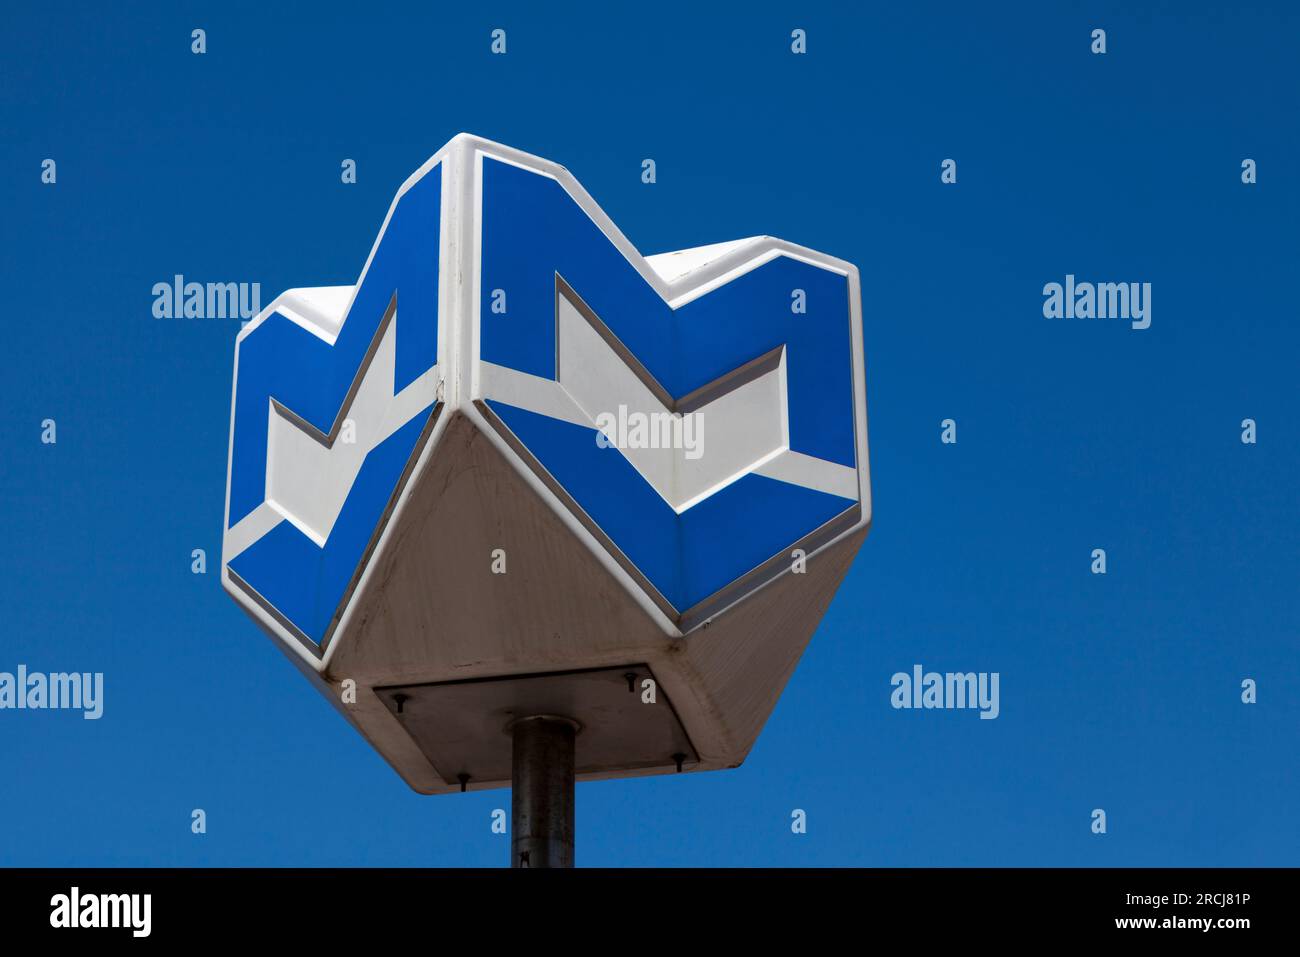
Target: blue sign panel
x: 535, y: 231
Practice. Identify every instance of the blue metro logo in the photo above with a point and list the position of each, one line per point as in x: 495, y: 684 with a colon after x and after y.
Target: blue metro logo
x: 498, y: 291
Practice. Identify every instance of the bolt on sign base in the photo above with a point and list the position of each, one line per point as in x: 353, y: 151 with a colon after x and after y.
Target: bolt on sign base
x: 465, y: 728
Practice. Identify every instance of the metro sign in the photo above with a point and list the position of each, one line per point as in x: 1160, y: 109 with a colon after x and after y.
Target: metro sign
x: 518, y: 465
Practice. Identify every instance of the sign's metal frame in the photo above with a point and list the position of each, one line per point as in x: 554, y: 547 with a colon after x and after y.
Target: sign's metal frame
x: 677, y: 277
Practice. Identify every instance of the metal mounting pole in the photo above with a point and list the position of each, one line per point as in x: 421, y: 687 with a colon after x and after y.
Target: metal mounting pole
x: 541, y: 791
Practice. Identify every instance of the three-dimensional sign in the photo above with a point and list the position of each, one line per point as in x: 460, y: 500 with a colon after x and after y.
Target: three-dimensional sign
x: 519, y: 469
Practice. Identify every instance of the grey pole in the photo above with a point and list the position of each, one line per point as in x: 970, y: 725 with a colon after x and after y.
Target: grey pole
x: 541, y: 795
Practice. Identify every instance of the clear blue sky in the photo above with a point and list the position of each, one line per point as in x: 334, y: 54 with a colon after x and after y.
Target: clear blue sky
x: 1119, y: 692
